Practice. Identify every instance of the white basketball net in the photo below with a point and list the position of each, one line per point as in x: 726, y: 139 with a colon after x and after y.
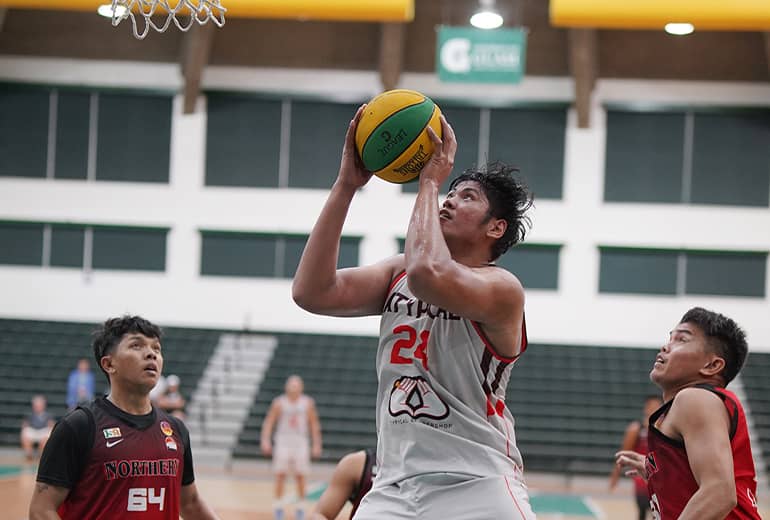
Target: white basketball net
x: 184, y: 14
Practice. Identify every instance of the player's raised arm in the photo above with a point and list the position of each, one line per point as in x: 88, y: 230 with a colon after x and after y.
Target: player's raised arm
x: 318, y: 286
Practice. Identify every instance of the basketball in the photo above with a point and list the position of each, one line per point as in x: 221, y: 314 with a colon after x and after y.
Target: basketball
x: 392, y: 138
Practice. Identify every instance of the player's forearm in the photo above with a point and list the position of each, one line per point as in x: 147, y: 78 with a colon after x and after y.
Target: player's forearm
x: 318, y: 266
x: 267, y: 431
x: 710, y: 502
x: 425, y: 250
x: 316, y: 437
x: 36, y: 513
x: 44, y: 515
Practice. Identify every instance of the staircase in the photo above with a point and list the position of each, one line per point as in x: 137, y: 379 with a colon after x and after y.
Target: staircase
x: 220, y: 404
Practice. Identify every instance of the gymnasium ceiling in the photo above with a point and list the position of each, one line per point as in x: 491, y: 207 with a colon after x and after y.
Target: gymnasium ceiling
x: 390, y: 48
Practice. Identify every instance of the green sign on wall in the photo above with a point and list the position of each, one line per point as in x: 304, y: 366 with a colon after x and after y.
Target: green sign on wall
x: 464, y: 54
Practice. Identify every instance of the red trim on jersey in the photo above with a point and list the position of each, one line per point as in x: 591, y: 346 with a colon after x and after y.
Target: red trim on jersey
x: 491, y: 349
x: 490, y: 408
x: 516, y: 502
x: 396, y: 280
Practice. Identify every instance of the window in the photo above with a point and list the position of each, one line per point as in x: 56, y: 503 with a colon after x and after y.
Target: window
x: 533, y: 140
x: 670, y: 272
x: 535, y: 265
x: 640, y: 271
x: 317, y: 133
x: 731, y: 159
x: 262, y: 255
x: 134, y: 142
x: 50, y: 133
x: 72, y: 135
x: 129, y: 248
x: 21, y: 243
x: 696, y: 156
x: 238, y: 254
x: 644, y: 157
x: 23, y: 131
x: 243, y: 141
x: 67, y: 246
x: 726, y: 274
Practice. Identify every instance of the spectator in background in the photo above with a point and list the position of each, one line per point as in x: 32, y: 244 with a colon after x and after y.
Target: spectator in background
x: 36, y: 427
x: 635, y: 439
x: 158, y: 390
x: 80, y: 385
x: 172, y: 401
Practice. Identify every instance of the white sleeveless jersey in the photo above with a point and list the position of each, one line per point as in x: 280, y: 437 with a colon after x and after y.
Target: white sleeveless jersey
x: 441, y: 394
x: 292, y: 423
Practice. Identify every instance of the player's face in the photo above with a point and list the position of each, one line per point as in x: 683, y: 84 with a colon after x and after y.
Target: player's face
x: 294, y: 387
x: 680, y: 360
x: 137, y: 360
x: 464, y: 210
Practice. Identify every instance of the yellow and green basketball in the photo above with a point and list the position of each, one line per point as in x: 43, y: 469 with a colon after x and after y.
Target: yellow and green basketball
x: 392, y: 137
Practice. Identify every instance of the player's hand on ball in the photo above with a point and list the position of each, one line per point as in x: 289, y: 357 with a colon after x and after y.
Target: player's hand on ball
x: 440, y: 164
x: 352, y: 172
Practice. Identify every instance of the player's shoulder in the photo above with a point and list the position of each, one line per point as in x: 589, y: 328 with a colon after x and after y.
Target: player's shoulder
x: 696, y: 402
x: 352, y: 465
x: 395, y: 266
x: 502, y: 275
x: 81, y: 417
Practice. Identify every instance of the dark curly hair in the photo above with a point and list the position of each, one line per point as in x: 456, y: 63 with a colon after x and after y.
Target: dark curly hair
x: 109, y: 334
x: 509, y: 199
x: 724, y: 336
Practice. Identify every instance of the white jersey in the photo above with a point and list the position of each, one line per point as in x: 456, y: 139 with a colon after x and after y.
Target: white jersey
x: 292, y: 424
x: 441, y: 394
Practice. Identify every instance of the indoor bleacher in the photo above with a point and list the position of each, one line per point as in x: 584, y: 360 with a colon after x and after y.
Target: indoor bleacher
x: 39, y: 355
x: 571, y: 404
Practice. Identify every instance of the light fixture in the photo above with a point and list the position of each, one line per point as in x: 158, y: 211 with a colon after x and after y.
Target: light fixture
x: 679, y: 29
x: 106, y: 11
x: 487, y: 17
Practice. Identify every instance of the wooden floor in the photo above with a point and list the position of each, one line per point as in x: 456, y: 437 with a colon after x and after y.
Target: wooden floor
x: 245, y: 492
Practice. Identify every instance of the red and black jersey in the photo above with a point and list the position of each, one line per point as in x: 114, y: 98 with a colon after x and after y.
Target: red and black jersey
x: 671, y: 483
x: 117, y: 465
x: 365, y: 483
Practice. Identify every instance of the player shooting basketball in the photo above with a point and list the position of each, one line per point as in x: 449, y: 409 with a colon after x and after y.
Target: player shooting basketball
x: 452, y: 325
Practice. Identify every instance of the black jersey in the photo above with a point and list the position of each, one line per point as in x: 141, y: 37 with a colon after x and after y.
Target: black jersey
x: 365, y: 483
x: 117, y: 465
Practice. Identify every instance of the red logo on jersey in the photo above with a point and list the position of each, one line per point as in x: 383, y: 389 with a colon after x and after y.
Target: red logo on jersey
x: 166, y: 429
x: 170, y: 443
x: 650, y: 465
